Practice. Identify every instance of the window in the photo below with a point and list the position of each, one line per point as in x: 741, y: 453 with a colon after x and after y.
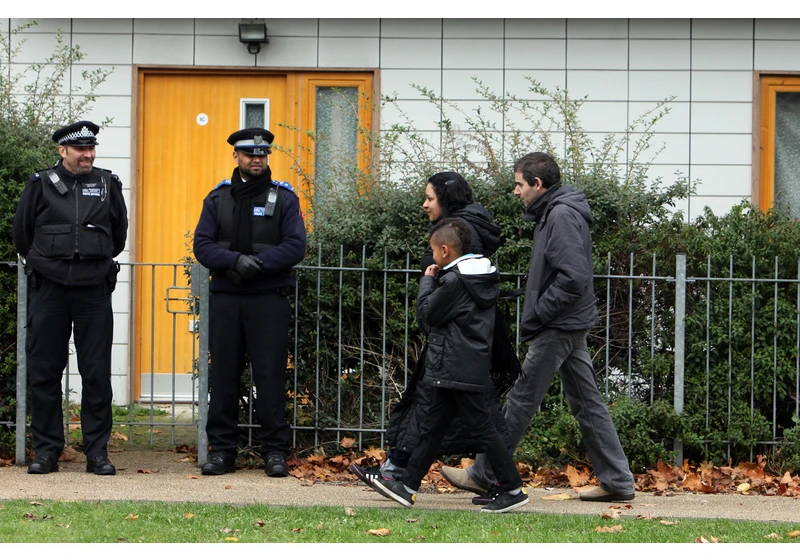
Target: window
x: 336, y: 132
x: 338, y: 109
x: 780, y: 142
x: 254, y: 113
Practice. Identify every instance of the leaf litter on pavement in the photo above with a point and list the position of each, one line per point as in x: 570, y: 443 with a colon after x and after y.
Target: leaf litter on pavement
x: 749, y: 478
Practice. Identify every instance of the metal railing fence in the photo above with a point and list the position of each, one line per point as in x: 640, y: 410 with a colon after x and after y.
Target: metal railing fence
x: 664, y: 335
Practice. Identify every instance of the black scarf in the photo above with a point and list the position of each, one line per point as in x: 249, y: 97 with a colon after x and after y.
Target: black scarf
x: 243, y: 194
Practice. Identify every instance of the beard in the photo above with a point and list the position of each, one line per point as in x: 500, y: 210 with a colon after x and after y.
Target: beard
x: 249, y: 175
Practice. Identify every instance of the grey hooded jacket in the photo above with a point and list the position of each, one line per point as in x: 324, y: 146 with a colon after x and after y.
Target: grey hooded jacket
x: 560, y: 289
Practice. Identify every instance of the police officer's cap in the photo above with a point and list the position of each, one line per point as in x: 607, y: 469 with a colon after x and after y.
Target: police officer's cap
x: 81, y: 133
x: 254, y: 141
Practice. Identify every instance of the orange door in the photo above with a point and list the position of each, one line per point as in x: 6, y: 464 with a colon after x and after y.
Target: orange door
x: 184, y: 120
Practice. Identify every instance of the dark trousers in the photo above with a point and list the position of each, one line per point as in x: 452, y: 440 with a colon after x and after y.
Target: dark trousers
x: 472, y: 410
x: 258, y: 325
x: 554, y: 350
x: 54, y: 309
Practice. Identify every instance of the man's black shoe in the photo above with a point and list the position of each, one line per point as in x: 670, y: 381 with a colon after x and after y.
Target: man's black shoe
x: 275, y: 464
x: 44, y: 464
x: 219, y: 462
x: 100, y: 465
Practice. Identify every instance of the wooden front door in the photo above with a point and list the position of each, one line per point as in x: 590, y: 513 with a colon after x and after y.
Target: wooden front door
x: 184, y: 121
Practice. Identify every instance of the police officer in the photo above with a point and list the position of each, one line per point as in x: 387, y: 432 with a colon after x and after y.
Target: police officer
x: 250, y: 234
x: 70, y: 222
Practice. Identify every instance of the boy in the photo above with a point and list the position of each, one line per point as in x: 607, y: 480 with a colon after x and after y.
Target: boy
x: 456, y: 309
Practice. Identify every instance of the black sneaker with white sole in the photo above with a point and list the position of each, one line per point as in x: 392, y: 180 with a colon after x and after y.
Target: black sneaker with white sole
x: 487, y: 498
x: 505, y: 502
x: 394, y: 490
x: 365, y: 474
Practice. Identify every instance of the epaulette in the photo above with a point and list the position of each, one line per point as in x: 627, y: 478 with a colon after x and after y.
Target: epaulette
x: 283, y: 184
x: 223, y: 183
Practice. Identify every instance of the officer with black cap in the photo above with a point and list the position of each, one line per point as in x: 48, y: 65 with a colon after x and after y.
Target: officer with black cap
x: 250, y: 235
x: 71, y: 221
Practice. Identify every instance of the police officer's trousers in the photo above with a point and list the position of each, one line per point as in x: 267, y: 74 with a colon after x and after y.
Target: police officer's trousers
x: 54, y: 309
x: 258, y: 325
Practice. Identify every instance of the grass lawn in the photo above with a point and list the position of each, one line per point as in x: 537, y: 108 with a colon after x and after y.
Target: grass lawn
x: 139, y: 522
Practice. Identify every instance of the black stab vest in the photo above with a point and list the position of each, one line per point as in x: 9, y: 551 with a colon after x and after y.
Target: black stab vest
x: 266, y: 230
x: 77, y: 222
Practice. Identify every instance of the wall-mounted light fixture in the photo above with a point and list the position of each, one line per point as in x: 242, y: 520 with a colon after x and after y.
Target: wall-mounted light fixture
x: 253, y: 32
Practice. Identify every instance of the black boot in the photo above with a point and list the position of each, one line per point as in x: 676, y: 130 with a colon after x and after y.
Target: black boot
x: 100, y: 465
x: 275, y: 464
x: 219, y: 462
x: 44, y: 464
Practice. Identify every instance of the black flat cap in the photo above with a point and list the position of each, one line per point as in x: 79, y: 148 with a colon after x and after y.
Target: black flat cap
x: 81, y: 133
x: 255, y: 141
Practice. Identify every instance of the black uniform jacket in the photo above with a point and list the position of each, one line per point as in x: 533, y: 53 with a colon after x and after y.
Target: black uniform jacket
x: 75, y: 271
x: 278, y: 260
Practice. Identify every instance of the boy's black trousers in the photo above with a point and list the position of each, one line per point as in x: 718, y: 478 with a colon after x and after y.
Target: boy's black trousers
x: 471, y: 408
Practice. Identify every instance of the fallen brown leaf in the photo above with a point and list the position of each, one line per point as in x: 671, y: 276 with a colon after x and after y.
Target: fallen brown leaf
x: 297, y: 530
x: 145, y: 471
x: 227, y: 487
x: 232, y: 539
x: 188, y: 515
x: 347, y: 442
x: 609, y: 529
x: 577, y: 478
x: 194, y: 476
x: 773, y: 536
x: 380, y: 532
x: 132, y: 517
x: 36, y: 503
x: 669, y: 522
x: 610, y: 515
x: 558, y: 497
x: 793, y: 534
x: 349, y: 511
x: 119, y: 436
x: 260, y: 523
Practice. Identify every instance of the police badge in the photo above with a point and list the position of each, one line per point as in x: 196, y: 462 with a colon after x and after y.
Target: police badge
x: 258, y: 140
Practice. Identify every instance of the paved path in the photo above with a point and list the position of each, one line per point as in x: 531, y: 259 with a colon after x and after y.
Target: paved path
x: 171, y: 480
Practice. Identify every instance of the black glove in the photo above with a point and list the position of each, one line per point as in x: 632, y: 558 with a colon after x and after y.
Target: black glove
x: 248, y: 267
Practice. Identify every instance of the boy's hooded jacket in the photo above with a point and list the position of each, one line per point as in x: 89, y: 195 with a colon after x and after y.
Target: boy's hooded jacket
x: 456, y: 309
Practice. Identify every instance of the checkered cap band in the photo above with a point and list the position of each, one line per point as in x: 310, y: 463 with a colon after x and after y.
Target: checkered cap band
x: 82, y: 133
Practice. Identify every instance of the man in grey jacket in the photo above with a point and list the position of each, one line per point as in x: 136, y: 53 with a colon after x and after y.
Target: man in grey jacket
x: 560, y: 308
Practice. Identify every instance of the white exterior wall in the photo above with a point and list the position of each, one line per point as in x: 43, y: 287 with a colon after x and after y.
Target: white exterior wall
x: 624, y: 66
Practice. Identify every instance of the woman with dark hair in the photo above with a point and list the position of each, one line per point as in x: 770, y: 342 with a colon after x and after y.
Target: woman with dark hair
x: 447, y: 195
